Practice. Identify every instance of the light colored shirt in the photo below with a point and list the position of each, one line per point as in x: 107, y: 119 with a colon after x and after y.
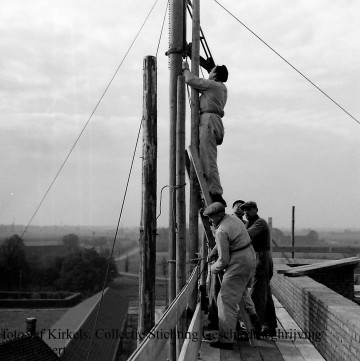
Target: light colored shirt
x: 230, y: 236
x: 213, y: 93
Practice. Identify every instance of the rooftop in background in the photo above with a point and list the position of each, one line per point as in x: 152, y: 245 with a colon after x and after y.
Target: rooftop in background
x: 26, y: 348
x: 81, y: 319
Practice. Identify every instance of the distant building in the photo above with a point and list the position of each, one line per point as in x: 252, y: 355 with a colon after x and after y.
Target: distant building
x: 44, y: 249
x: 26, y: 348
x: 309, y: 240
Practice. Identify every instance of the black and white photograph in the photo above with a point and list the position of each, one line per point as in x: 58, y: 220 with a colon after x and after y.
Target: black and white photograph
x: 179, y: 180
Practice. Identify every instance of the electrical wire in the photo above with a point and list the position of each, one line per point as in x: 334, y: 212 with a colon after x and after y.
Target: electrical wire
x: 286, y: 61
x: 113, y: 244
x: 87, y: 122
x: 162, y: 27
x: 121, y: 210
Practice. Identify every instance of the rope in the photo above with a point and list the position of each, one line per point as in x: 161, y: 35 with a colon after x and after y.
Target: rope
x: 113, y: 245
x: 286, y: 61
x: 123, y: 201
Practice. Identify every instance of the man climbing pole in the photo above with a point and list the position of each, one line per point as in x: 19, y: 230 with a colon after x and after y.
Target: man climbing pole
x: 211, y: 130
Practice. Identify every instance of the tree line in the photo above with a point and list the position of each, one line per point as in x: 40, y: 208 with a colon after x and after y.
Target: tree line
x: 79, y: 269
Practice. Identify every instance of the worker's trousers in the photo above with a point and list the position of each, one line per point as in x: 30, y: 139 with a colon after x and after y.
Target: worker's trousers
x: 214, y: 289
x: 211, y: 134
x: 236, y: 278
x: 261, y: 291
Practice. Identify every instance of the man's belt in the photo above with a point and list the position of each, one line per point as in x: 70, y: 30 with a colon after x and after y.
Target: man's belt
x: 241, y: 248
x: 211, y: 112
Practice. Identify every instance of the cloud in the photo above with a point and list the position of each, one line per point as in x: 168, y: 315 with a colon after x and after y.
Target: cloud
x: 285, y: 142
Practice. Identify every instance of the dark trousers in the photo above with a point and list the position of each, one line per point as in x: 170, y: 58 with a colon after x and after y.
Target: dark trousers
x: 261, y: 290
x: 214, y: 288
x: 270, y: 314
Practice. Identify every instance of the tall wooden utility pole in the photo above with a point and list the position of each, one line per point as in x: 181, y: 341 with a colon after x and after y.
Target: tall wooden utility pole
x: 271, y: 230
x: 148, y: 205
x: 180, y: 200
x: 195, y: 115
x: 176, y: 46
x: 175, y: 59
x: 293, y: 231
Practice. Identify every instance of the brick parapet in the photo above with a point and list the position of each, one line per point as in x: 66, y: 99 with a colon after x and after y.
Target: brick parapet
x: 319, y: 310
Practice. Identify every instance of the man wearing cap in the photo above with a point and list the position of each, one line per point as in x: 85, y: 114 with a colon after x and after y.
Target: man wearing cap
x: 237, y: 261
x: 215, y: 282
x: 259, y: 232
x: 238, y: 212
x: 249, y: 304
x: 211, y: 130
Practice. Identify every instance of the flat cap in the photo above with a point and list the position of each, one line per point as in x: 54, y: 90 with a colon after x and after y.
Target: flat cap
x: 214, y: 208
x: 247, y: 205
x: 238, y: 201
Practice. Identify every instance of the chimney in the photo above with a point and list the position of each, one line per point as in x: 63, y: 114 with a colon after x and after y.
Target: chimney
x: 31, y: 325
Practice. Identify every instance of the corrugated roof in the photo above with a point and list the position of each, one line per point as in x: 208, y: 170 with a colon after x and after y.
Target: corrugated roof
x: 74, y: 330
x: 26, y: 348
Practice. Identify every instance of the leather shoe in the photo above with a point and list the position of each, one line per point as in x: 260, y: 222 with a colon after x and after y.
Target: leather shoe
x: 266, y: 331
x: 218, y: 198
x: 219, y: 344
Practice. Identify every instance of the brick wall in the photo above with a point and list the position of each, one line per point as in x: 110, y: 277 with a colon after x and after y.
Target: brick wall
x: 332, y: 320
x: 340, y: 280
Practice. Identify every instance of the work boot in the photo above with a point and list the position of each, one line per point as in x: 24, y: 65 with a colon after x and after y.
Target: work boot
x: 218, y: 198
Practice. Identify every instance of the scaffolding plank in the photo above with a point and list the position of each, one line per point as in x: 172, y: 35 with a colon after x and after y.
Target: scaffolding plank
x: 289, y: 351
x: 292, y: 341
x: 208, y: 353
x: 248, y: 353
x: 230, y: 355
x: 304, y: 270
x: 269, y: 350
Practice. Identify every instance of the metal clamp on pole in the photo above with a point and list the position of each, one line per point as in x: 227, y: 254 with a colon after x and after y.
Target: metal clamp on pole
x: 174, y: 51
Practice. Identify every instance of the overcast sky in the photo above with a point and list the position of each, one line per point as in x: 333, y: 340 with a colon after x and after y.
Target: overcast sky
x: 285, y: 143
